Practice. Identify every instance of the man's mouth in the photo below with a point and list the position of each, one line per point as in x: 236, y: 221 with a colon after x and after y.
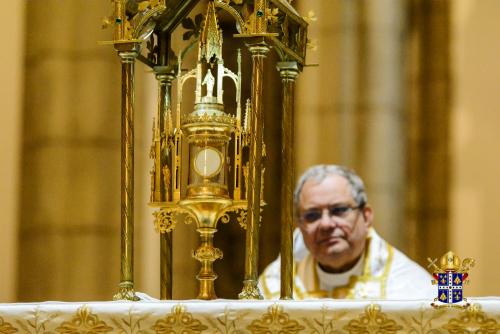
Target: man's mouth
x: 330, y: 240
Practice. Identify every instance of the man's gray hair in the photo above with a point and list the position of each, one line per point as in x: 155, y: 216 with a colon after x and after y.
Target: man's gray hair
x: 320, y: 172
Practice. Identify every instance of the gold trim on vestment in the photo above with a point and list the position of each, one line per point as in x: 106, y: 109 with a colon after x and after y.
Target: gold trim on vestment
x: 347, y: 291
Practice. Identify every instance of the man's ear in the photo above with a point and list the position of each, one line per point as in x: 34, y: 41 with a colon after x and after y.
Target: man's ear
x: 368, y: 215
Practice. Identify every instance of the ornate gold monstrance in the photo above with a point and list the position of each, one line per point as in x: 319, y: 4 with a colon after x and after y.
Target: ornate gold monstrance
x: 209, y: 196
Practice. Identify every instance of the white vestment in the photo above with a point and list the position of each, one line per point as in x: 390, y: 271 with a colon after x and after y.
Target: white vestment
x: 382, y: 272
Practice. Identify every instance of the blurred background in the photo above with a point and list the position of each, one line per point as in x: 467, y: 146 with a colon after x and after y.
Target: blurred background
x: 405, y: 92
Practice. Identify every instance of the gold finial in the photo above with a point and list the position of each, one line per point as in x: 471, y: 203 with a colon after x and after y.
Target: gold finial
x: 246, y: 118
x: 450, y: 261
x: 169, y: 123
x: 211, y: 39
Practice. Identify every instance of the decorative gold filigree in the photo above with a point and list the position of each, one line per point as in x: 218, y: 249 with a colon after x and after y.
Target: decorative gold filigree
x: 250, y: 290
x: 38, y: 323
x: 326, y: 324
x: 224, y: 218
x: 206, y: 118
x: 254, y: 25
x: 275, y: 321
x: 228, y: 322
x: 141, y: 21
x: 201, y: 140
x: 84, y: 321
x: 242, y: 218
x: 372, y: 321
x: 311, y: 17
x: 246, y: 123
x: 472, y: 320
x: 166, y: 218
x: 207, y: 253
x: 126, y: 292
x: 272, y: 15
x: 131, y: 323
x: 139, y: 26
x: 179, y: 321
x: 236, y: 2
x: 164, y: 221
x: 225, y: 4
x: 423, y: 322
x: 6, y: 327
x: 239, y: 209
x: 188, y: 219
x: 211, y: 38
x: 150, y: 4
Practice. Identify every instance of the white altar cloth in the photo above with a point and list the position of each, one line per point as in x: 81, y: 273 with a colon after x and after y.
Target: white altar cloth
x: 235, y: 316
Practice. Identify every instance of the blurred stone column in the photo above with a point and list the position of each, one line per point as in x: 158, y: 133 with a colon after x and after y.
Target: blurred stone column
x: 11, y: 92
x: 318, y: 102
x: 70, y: 204
x: 429, y: 131
x: 351, y: 108
x: 382, y: 115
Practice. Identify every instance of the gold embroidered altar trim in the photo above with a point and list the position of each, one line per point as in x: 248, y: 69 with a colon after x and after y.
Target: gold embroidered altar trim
x: 253, y: 317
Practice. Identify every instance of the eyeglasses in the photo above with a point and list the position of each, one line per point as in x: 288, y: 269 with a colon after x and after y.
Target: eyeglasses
x: 313, y: 215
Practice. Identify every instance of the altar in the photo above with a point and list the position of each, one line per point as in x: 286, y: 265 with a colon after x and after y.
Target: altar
x: 244, y: 316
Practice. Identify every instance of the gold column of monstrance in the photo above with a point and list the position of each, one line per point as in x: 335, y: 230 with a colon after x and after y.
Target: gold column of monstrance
x: 209, y: 196
x: 207, y: 130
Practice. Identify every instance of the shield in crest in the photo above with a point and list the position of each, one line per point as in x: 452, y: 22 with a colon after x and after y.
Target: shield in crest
x: 450, y: 287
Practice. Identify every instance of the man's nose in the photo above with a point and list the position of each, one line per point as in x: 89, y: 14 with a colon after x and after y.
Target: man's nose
x: 327, y: 221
